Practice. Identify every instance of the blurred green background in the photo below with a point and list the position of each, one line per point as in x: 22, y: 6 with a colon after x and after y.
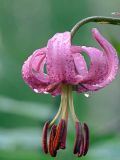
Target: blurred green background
x: 26, y: 25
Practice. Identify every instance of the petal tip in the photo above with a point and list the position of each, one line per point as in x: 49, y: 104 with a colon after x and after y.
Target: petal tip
x: 95, y: 32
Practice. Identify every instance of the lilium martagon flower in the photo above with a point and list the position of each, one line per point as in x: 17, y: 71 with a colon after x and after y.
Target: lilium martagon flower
x: 67, y: 72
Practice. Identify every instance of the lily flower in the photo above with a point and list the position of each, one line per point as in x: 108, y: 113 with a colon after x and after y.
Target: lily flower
x: 67, y: 71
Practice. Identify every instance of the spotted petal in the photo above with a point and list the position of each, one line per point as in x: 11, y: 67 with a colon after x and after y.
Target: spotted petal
x: 104, y: 64
x: 60, y: 64
x: 80, y: 65
x: 33, y: 71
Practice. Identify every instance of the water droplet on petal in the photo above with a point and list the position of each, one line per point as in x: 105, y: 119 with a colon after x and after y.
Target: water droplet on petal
x: 35, y: 90
x: 86, y: 95
x: 45, y: 92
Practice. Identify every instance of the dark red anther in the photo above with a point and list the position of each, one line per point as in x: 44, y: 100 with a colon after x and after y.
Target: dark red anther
x: 64, y: 134
x: 44, y: 138
x: 59, y: 135
x: 81, y: 149
x: 86, y: 138
x: 52, y: 151
x: 77, y: 142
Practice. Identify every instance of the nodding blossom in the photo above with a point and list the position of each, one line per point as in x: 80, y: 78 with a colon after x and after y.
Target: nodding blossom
x: 67, y: 71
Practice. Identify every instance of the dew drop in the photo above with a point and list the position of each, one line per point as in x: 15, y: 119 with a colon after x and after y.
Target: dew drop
x: 45, y: 92
x: 35, y: 90
x: 87, y: 95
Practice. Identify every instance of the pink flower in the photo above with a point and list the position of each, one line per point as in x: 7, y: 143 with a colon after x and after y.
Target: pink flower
x: 66, y: 65
x: 66, y: 72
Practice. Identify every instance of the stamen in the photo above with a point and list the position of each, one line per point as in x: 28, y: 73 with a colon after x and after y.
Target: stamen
x: 81, y: 144
x: 78, y: 137
x: 44, y: 138
x: 56, y: 116
x: 59, y: 135
x: 57, y: 138
x: 81, y: 149
x: 63, y: 139
x: 52, y: 151
x: 71, y: 105
x: 62, y: 107
x: 65, y: 92
x: 86, y: 138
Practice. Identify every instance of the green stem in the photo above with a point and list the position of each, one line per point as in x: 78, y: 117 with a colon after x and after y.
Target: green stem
x: 97, y: 19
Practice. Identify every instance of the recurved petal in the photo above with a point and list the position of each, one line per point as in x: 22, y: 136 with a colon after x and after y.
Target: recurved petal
x: 33, y: 71
x: 37, y: 64
x: 104, y: 64
x: 99, y: 66
x: 80, y: 66
x: 60, y: 64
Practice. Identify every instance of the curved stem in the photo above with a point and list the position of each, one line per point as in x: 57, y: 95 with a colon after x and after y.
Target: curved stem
x: 97, y: 19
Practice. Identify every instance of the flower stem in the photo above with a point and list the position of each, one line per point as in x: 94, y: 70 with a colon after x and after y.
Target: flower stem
x: 97, y: 19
